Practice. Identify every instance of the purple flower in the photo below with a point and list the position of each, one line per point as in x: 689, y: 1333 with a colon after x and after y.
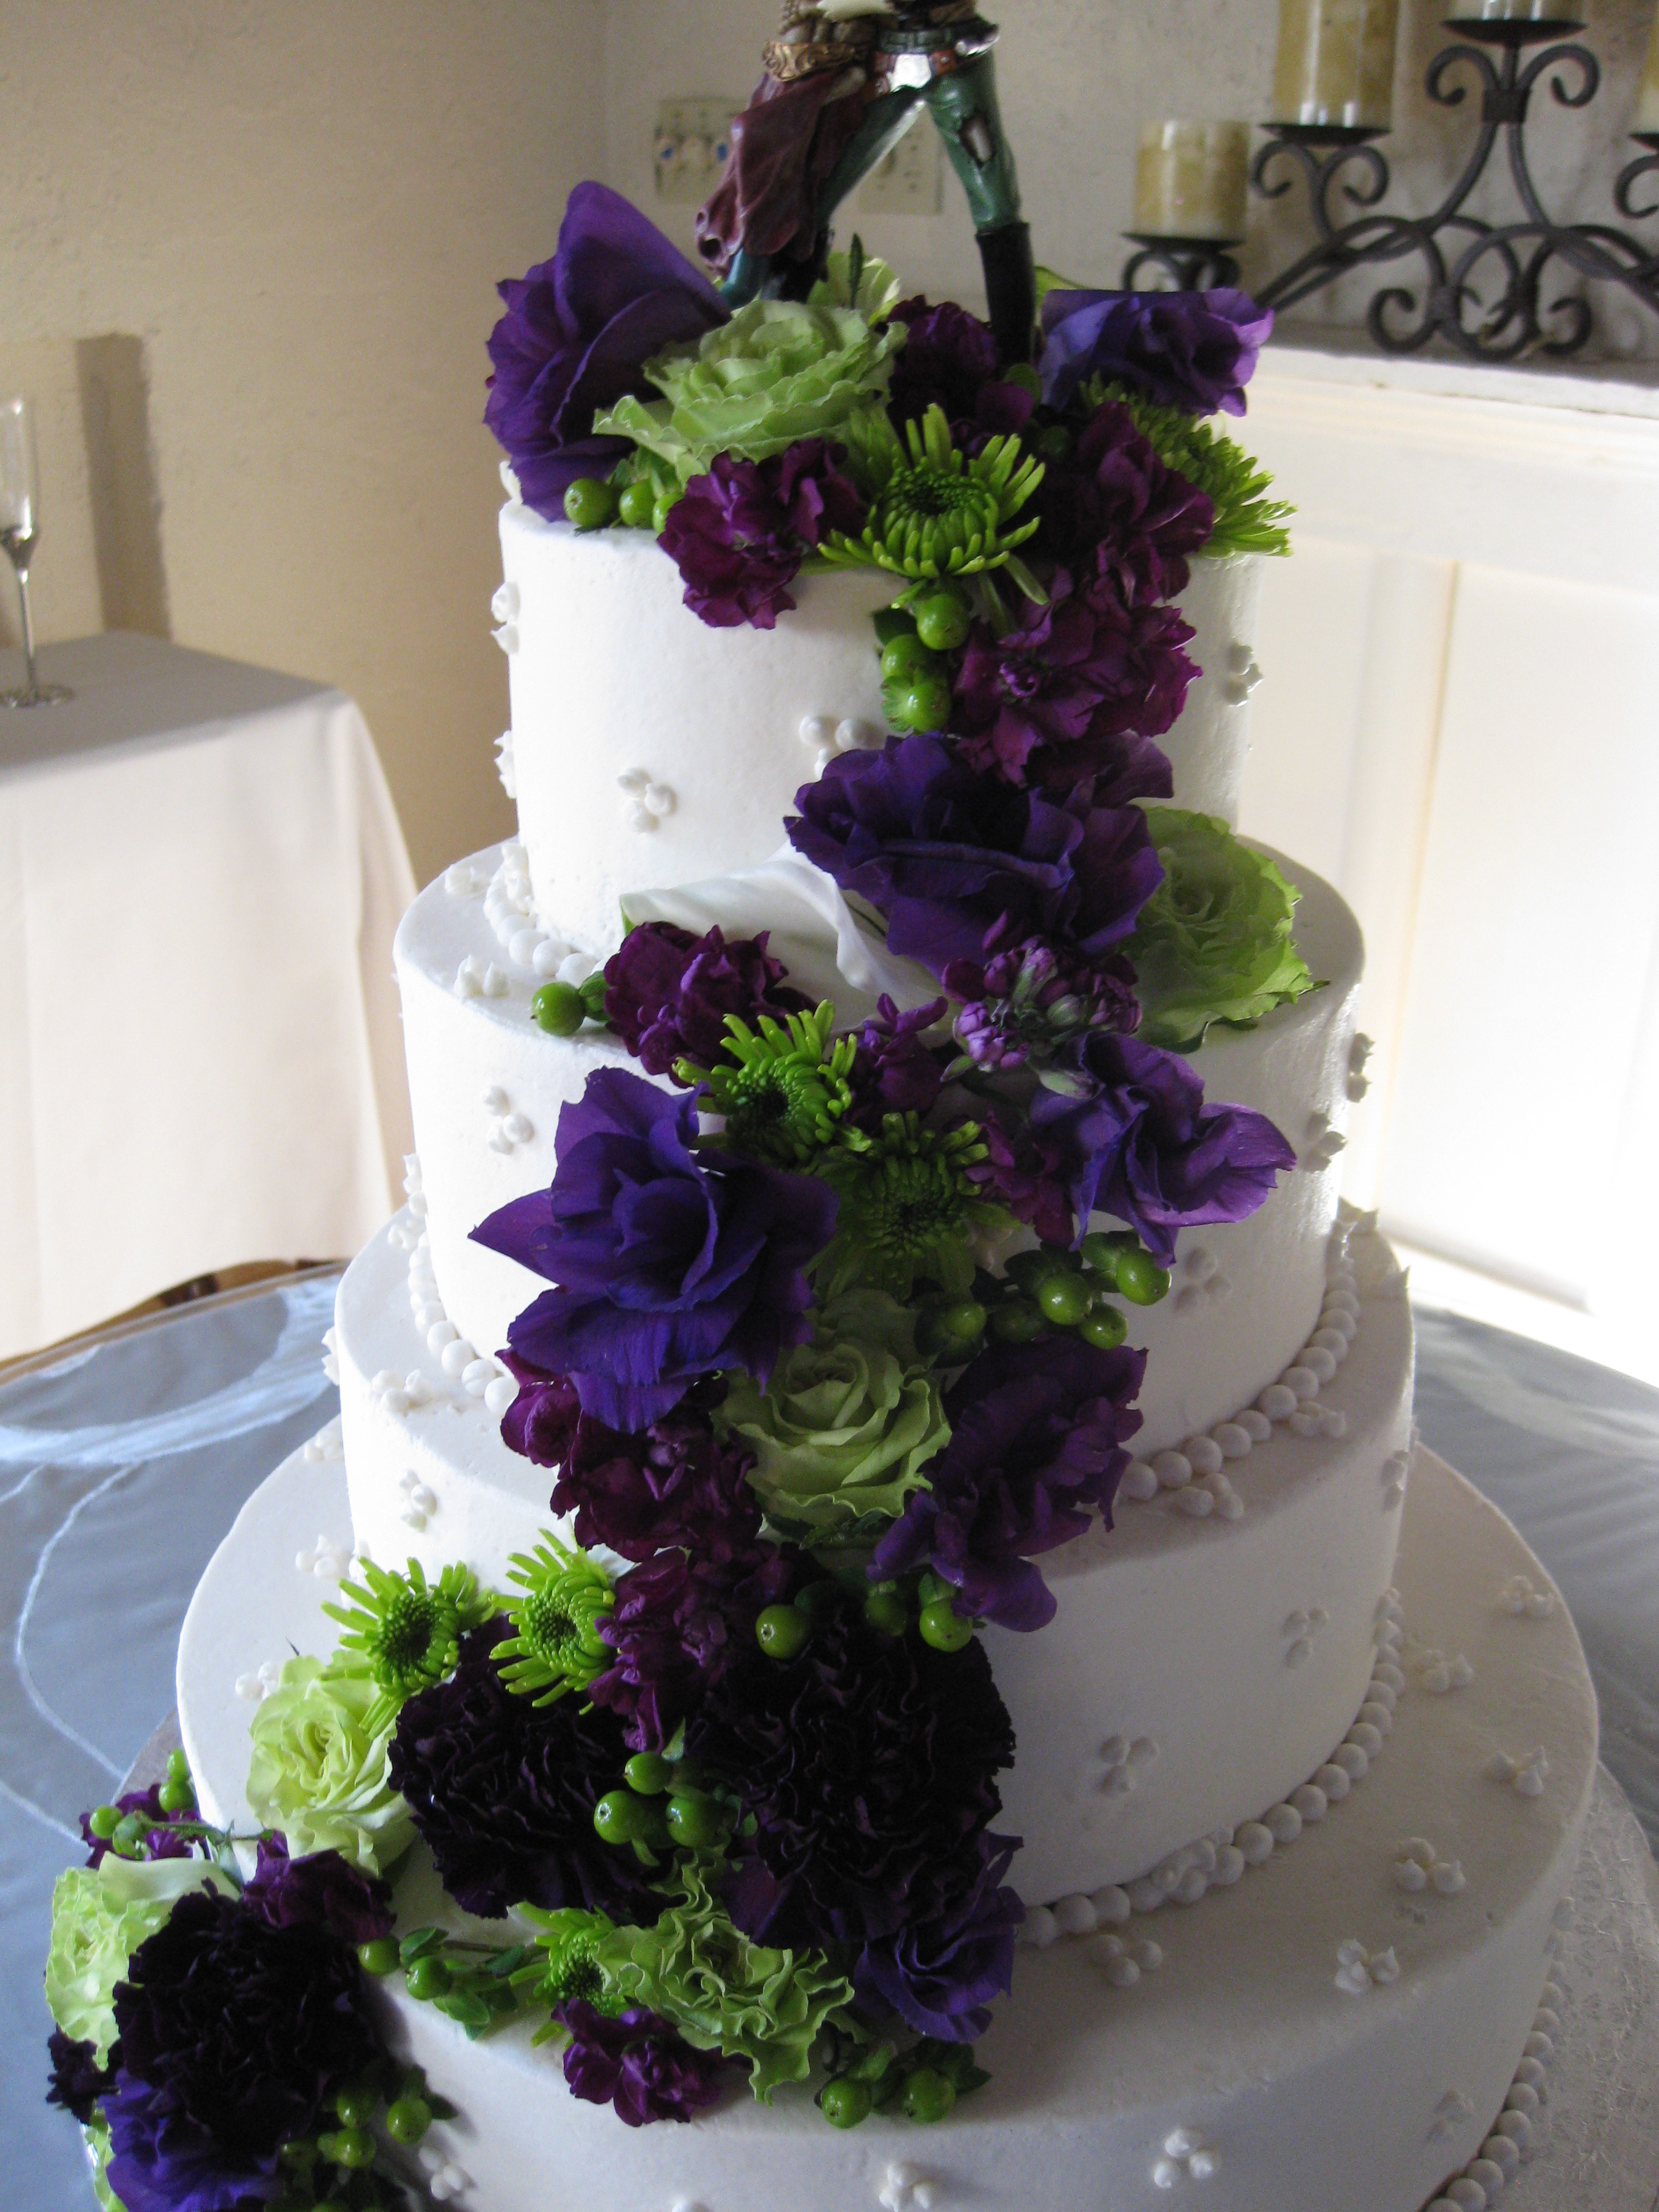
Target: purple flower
x: 1026, y: 1172
x: 667, y: 994
x: 1036, y: 1436
x: 77, y: 2080
x: 637, y: 2063
x: 541, y: 1422
x: 502, y: 1792
x: 1027, y: 1000
x: 235, y: 2036
x: 947, y: 852
x: 1196, y: 351
x: 1114, y: 507
x: 668, y: 1268
x: 1142, y: 644
x: 948, y: 357
x: 1086, y: 665
x: 577, y: 332
x: 675, y: 1626
x: 738, y: 534
x: 161, y: 1843
x: 894, y: 1071
x: 869, y: 1764
x: 941, y: 1975
x: 673, y: 1483
x: 321, y: 1890
x: 1142, y: 1145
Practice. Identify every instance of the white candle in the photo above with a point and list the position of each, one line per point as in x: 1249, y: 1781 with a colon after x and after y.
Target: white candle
x: 1517, y: 11
x: 1190, y: 180
x: 1335, y: 62
x: 1647, y: 100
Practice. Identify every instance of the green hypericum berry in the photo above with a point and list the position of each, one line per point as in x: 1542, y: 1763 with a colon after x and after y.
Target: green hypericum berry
x: 178, y: 1766
x: 944, y: 1627
x: 590, y: 504
x: 427, y: 1978
x: 176, y: 1796
x: 299, y: 2152
x: 953, y: 1330
x: 353, y: 2147
x: 559, y: 1008
x: 907, y: 656
x: 666, y: 503
x: 378, y: 1956
x: 1020, y: 1322
x: 356, y: 2105
x: 927, y: 2094
x: 1054, y: 443
x: 104, y: 1821
x: 1141, y: 1278
x: 648, y: 1773
x: 782, y: 1631
x: 129, y: 1834
x: 844, y: 2103
x: 943, y: 621
x: 638, y: 505
x: 1105, y: 1328
x: 926, y: 703
x: 408, y: 2120
x: 1064, y: 1300
x: 887, y: 1612
x: 1025, y: 377
x: 695, y: 1822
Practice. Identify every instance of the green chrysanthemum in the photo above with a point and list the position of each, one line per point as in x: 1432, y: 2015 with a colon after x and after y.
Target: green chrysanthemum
x: 935, y: 511
x: 909, y: 1207
x: 566, y: 1967
x: 1246, y: 519
x: 555, y: 1643
x: 401, y: 1631
x: 783, y: 1087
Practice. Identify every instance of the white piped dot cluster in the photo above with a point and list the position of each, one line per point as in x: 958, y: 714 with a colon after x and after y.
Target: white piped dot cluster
x: 419, y: 1504
x: 1434, y: 1672
x: 1242, y: 675
x: 1359, y: 1970
x: 1521, y: 1596
x: 645, y: 801
x: 1526, y: 1775
x: 824, y: 736
x: 1123, y: 1963
x: 1187, y: 2157
x: 907, y: 2188
x: 260, y: 1682
x: 504, y: 606
x: 1199, y: 1280
x: 1123, y: 1762
x: 506, y: 766
x: 466, y: 879
x: 479, y: 979
x: 329, y: 1443
x: 1396, y: 1472
x: 1498, y: 2161
x: 444, y: 2178
x: 1301, y: 1628
x: 1320, y: 1143
x: 331, y: 1357
x: 1359, y: 1052
x: 507, y: 1127
x: 325, y: 1559
x: 1418, y: 1866
x: 509, y: 477
x: 510, y: 910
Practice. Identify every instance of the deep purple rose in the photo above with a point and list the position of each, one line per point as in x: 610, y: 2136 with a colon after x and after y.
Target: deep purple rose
x: 1142, y: 1145
x: 1112, y: 508
x: 946, y: 852
x: 893, y: 1071
x: 673, y: 1483
x: 1025, y: 1000
x: 160, y: 1843
x: 576, y: 335
x: 1195, y: 350
x: 941, y: 1976
x: 668, y: 1267
x: 677, y: 1624
x: 637, y: 2063
x: 321, y: 1890
x: 542, y: 1419
x: 738, y: 534
x: 1036, y: 1451
x: 667, y: 994
x: 78, y: 2079
x: 502, y: 1792
x: 948, y: 357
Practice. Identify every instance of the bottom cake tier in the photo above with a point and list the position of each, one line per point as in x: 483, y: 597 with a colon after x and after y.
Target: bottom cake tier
x: 1350, y: 2018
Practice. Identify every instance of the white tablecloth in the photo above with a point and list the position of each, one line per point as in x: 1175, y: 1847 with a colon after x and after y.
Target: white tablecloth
x: 200, y: 1056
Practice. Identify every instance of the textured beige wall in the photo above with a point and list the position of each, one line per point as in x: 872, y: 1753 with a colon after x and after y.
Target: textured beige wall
x: 299, y: 208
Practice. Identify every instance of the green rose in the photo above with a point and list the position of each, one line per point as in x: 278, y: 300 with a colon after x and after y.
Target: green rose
x: 722, y: 1991
x: 780, y: 370
x: 319, y: 1766
x: 848, y: 1421
x: 100, y: 1916
x: 1213, y: 942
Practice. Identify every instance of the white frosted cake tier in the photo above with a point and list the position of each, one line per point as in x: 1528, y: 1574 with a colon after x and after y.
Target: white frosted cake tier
x: 648, y: 748
x: 1207, y: 1654
x: 486, y: 1085
x: 1315, y: 2033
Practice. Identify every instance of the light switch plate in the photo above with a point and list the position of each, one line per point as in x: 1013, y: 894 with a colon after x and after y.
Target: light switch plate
x: 911, y: 179
x: 688, y: 150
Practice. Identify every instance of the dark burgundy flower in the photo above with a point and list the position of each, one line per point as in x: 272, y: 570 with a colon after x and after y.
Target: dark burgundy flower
x: 541, y: 1421
x: 502, y: 1792
x: 1195, y: 350
x: 894, y: 1071
x: 1036, y: 1451
x: 947, y: 358
x: 160, y: 1843
x: 638, y: 2064
x: 738, y: 534
x: 814, y: 490
x: 674, y: 1483
x: 669, y: 1267
x: 946, y: 852
x: 869, y: 1764
x: 1141, y: 1144
x: 677, y: 1624
x: 237, y: 2031
x: 576, y: 335
x: 321, y: 1890
x: 1119, y: 765
x: 667, y: 994
x: 1026, y: 1000
x: 78, y: 2080
x: 1136, y: 519
x: 1027, y: 1172
x: 940, y: 1976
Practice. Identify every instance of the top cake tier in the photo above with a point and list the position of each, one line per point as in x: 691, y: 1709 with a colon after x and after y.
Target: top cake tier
x: 649, y: 748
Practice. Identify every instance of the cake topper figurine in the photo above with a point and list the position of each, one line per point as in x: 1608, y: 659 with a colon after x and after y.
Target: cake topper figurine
x: 844, y: 81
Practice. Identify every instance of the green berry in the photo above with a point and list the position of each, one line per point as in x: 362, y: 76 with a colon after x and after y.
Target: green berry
x: 128, y: 1835
x: 408, y: 2120
x: 781, y: 1631
x: 667, y: 502
x: 104, y: 1821
x: 427, y: 1978
x: 695, y: 1822
x: 356, y: 2105
x: 944, y: 621
x: 378, y: 1956
x: 1020, y: 1322
x: 1064, y: 1300
x: 1030, y: 1270
x: 925, y: 703
x: 1054, y: 443
x: 927, y: 2094
x: 905, y: 658
x: 299, y: 2151
x: 952, y: 1331
x: 590, y: 504
x: 1141, y: 1278
x: 620, y: 1818
x: 178, y: 1766
x: 886, y: 1612
x: 353, y: 2147
x: 844, y: 2103
x: 559, y: 1008
x: 1023, y: 374
x: 1105, y: 1328
x: 176, y: 1796
x: 648, y: 1773
x: 944, y: 1627
x: 638, y: 505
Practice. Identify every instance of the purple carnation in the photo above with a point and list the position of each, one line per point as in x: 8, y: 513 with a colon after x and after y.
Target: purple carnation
x: 1143, y: 642
x: 77, y: 2080
x: 673, y: 1483
x: 160, y: 1843
x: 575, y: 337
x: 946, y: 359
x: 947, y: 852
x: 675, y: 1628
x: 894, y: 1071
x: 1141, y: 1144
x: 1036, y: 1449
x: 1026, y: 1172
x: 1116, y: 507
x: 541, y: 1422
x: 163, y: 2160
x: 502, y: 1792
x: 321, y: 1890
x: 667, y: 994
x: 1027, y: 1000
x: 738, y: 534
x: 941, y: 1976
x: 636, y: 2062
x: 668, y: 1267
x: 1195, y: 350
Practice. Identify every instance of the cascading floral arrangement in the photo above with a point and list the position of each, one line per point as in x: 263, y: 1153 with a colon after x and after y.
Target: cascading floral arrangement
x: 834, y: 1348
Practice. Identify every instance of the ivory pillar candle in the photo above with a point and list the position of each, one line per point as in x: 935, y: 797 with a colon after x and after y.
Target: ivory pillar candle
x: 1190, y: 180
x: 1517, y: 11
x: 1647, y: 100
x: 1335, y: 62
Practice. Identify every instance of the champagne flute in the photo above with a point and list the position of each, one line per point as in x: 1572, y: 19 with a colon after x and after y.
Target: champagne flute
x: 20, y: 533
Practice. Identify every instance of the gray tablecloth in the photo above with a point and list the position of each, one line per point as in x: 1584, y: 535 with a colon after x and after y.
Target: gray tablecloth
x: 121, y: 1469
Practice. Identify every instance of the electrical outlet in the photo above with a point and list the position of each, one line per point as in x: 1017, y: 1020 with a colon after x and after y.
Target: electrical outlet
x: 911, y: 179
x: 689, y: 150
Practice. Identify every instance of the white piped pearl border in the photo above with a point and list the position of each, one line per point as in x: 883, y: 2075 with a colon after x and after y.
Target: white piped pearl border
x: 479, y: 1374
x: 1498, y: 2161
x: 509, y: 907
